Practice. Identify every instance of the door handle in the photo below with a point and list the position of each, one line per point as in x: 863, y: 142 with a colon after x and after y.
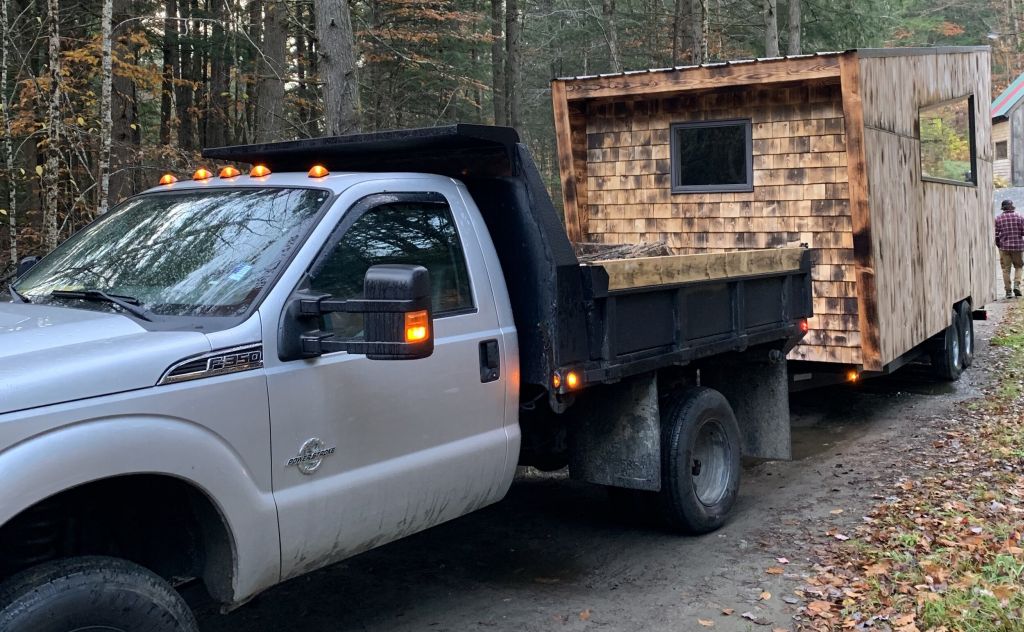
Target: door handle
x: 490, y: 361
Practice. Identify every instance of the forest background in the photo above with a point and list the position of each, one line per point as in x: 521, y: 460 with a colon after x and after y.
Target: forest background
x: 98, y: 98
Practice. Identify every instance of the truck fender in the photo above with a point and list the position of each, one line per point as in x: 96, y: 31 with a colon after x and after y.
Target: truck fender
x: 66, y: 457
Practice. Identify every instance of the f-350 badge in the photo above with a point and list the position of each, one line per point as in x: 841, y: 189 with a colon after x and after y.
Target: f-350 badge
x: 311, y: 456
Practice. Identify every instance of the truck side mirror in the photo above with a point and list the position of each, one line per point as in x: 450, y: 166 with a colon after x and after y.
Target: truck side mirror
x: 397, y: 319
x: 25, y: 265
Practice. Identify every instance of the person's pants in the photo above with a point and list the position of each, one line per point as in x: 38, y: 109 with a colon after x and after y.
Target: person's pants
x: 1011, y: 262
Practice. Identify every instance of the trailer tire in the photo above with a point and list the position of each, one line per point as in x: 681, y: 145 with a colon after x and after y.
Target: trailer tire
x: 966, y: 334
x: 700, y: 470
x: 946, y: 359
x: 92, y: 593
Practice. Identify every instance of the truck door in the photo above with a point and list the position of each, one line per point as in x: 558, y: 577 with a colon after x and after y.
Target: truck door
x: 367, y: 451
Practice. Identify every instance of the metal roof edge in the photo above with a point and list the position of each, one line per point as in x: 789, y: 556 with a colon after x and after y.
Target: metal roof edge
x: 920, y: 50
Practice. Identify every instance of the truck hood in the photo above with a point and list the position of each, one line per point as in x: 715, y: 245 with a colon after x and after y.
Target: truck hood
x: 50, y: 355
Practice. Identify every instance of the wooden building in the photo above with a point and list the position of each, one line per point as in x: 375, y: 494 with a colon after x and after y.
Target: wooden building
x: 1008, y: 134
x: 878, y: 160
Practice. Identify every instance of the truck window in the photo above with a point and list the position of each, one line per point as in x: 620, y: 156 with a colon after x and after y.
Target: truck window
x: 419, y: 233
x: 191, y: 253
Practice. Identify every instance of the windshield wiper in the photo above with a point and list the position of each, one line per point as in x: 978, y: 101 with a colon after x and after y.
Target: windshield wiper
x: 21, y: 298
x: 129, y: 304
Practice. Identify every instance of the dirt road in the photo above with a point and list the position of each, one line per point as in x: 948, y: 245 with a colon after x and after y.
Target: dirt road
x: 554, y: 556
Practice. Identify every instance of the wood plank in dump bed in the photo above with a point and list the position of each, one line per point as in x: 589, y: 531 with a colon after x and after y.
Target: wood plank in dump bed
x: 626, y: 274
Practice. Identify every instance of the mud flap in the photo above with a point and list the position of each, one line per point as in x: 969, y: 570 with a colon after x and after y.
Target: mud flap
x: 759, y: 395
x: 615, y: 435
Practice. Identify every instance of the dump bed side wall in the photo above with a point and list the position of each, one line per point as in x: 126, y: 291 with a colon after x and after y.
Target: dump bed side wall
x: 800, y: 189
x: 931, y: 243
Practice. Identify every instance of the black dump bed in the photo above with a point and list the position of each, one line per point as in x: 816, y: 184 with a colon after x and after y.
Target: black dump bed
x: 566, y: 315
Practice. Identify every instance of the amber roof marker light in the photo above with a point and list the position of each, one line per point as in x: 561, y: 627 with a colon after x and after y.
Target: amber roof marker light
x: 168, y: 178
x: 318, y: 171
x: 229, y: 172
x: 259, y: 171
x: 202, y: 173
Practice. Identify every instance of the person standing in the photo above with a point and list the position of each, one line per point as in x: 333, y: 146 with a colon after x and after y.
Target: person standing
x: 1010, y: 242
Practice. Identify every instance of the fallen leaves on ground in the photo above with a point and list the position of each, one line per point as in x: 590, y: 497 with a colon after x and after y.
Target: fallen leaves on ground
x: 944, y: 549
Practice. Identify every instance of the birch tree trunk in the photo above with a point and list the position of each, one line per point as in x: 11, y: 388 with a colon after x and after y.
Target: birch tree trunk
x: 106, y: 105
x: 771, y: 29
x: 611, y: 34
x: 498, y: 61
x: 793, y: 43
x: 337, y: 66
x: 270, y: 89
x: 53, y: 129
x: 5, y: 103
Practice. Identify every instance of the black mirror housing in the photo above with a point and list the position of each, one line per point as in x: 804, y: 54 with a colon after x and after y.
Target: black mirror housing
x: 397, y: 318
x: 25, y: 265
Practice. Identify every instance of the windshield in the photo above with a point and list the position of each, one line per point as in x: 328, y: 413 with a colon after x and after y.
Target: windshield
x: 188, y: 253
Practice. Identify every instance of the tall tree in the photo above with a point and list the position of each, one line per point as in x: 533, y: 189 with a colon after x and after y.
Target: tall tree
x: 217, y: 102
x: 771, y: 29
x: 337, y: 66
x: 699, y: 21
x: 186, y: 87
x: 270, y: 121
x: 795, y: 24
x: 611, y: 34
x: 5, y: 110
x: 106, y: 119
x: 169, y: 54
x: 513, y: 62
x: 51, y: 181
x: 498, y: 61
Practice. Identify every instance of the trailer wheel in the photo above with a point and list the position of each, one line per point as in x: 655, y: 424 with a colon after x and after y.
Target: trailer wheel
x: 946, y: 359
x: 700, y: 472
x: 92, y: 593
x: 966, y: 335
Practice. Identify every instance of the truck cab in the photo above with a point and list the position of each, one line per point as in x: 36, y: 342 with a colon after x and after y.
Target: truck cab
x: 230, y: 381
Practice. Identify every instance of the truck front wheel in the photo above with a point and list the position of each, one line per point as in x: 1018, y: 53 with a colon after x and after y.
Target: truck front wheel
x: 92, y: 593
x: 700, y: 472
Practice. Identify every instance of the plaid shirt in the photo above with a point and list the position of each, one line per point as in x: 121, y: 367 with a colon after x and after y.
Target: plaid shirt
x: 1010, y: 232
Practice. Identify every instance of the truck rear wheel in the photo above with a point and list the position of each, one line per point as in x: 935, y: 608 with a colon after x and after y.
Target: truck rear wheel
x: 966, y: 334
x: 700, y: 472
x: 946, y: 358
x: 92, y: 593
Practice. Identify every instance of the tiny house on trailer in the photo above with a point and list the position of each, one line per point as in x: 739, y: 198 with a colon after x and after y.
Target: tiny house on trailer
x: 879, y: 161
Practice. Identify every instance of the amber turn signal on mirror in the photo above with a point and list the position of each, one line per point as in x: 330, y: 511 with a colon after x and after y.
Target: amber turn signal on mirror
x: 417, y: 326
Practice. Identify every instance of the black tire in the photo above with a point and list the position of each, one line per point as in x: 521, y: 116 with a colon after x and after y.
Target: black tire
x: 92, y: 593
x: 700, y: 438
x: 946, y: 359
x: 966, y: 335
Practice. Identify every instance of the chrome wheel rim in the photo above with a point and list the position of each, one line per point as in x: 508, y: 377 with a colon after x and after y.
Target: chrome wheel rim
x: 710, y: 464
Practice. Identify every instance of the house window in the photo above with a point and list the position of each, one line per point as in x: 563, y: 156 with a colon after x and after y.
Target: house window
x: 712, y: 156
x: 1002, y: 150
x: 946, y: 131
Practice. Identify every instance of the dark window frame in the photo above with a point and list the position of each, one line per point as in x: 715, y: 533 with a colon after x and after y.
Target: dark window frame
x: 712, y: 188
x: 973, y: 182
x: 371, y: 202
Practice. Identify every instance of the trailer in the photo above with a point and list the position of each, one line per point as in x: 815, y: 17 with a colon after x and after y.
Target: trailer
x: 878, y: 160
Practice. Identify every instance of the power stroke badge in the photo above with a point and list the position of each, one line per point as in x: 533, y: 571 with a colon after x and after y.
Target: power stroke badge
x: 311, y: 456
